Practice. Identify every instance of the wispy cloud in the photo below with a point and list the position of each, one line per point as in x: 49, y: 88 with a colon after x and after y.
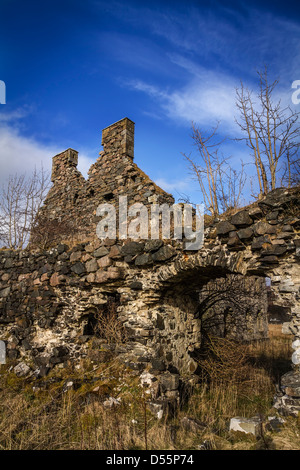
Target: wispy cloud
x: 207, y: 52
x: 204, y: 101
x: 21, y: 154
x: 240, y: 37
x: 174, y: 186
x: 14, y: 115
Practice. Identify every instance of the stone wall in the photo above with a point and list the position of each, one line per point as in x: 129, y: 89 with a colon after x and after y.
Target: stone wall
x: 46, y: 298
x: 165, y: 297
x: 163, y: 291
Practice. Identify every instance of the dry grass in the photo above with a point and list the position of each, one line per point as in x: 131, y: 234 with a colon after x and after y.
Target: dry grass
x: 52, y: 418
x: 108, y: 325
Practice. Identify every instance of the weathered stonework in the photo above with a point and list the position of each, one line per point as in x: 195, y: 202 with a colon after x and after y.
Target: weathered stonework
x: 166, y: 297
x: 74, y: 201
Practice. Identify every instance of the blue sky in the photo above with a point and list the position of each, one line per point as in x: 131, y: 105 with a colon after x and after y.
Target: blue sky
x: 72, y: 68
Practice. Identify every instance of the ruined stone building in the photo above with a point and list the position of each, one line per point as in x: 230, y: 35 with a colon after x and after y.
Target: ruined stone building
x: 73, y: 201
x: 166, y: 298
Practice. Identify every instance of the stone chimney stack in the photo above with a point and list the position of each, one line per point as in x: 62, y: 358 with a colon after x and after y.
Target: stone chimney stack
x: 64, y: 164
x: 118, y: 138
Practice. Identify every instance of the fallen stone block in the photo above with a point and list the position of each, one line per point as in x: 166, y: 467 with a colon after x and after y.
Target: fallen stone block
x: 290, y: 383
x: 246, y: 425
x: 274, y: 423
x: 287, y: 406
x: 21, y: 369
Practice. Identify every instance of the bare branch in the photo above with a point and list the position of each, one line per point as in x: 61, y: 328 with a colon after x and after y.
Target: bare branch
x: 20, y: 199
x: 271, y: 131
x: 221, y: 186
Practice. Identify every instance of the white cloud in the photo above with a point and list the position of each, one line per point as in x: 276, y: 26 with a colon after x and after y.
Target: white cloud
x: 20, y: 154
x: 85, y: 161
x: 203, y: 103
x: 206, y: 99
x: 208, y: 52
x: 171, y: 186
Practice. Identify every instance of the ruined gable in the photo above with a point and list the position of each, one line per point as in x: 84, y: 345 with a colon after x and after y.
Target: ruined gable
x: 74, y: 200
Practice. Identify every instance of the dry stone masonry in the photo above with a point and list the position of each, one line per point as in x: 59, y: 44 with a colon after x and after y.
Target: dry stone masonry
x: 165, y: 298
x: 73, y: 201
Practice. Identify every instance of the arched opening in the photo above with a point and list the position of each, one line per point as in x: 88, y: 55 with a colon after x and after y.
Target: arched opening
x: 207, y: 301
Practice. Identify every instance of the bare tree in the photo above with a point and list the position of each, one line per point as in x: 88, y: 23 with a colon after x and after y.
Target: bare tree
x: 291, y: 172
x: 20, y: 199
x: 230, y: 187
x: 46, y: 232
x: 272, y: 133
x: 227, y: 305
x: 220, y: 185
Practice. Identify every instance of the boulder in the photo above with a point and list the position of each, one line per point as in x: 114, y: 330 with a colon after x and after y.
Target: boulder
x: 104, y: 262
x: 9, y: 263
x: 136, y: 285
x: 284, y: 235
x: 260, y: 242
x: 57, y: 279
x: 153, y: 245
x: 276, y: 250
x: 169, y: 381
x: 115, y: 252
x: 272, y: 215
x: 275, y: 198
x: 290, y: 382
x: 75, y: 256
x: 255, y: 213
x: 290, y: 378
x: 5, y: 292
